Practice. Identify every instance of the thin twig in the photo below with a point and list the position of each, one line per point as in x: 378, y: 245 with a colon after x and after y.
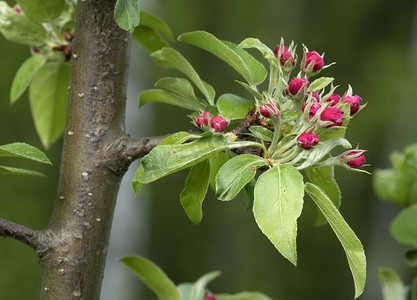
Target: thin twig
x: 21, y: 233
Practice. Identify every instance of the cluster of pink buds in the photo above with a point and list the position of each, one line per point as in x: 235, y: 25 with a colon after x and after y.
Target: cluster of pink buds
x: 209, y: 297
x: 285, y: 57
x: 218, y: 124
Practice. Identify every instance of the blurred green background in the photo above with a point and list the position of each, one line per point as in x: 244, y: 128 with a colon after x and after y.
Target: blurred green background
x: 375, y: 46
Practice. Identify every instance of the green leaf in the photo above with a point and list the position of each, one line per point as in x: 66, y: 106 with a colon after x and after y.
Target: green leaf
x: 414, y: 289
x: 318, y: 152
x: 392, y: 286
x: 243, y: 296
x: 136, y: 184
x: 18, y: 171
x: 351, y: 244
x: 154, y: 22
x: 210, y: 43
x: 152, y: 276
x: 404, y: 227
x: 262, y: 133
x: 166, y: 159
x: 170, y: 58
x: 323, y: 177
x: 320, y: 84
x: 48, y: 101
x: 257, y: 69
x: 278, y: 204
x: 235, y: 174
x: 217, y: 160
x: 42, y: 10
x: 411, y: 258
x: 25, y: 75
x: 233, y: 107
x: 24, y: 151
x: 249, y: 190
x: 150, y: 39
x: 18, y: 28
x: 198, y: 290
x: 250, y: 89
x: 178, y: 138
x: 126, y: 14
x: 158, y: 95
x: 183, y: 88
x: 257, y: 44
x: 185, y: 290
x: 195, y: 190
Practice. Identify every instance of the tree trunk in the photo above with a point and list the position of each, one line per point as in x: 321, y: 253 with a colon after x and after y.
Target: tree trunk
x: 73, y: 258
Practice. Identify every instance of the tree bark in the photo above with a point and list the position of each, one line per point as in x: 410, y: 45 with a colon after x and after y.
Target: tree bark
x: 91, y: 170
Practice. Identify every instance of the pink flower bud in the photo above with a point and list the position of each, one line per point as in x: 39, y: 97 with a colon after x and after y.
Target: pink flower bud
x: 357, y: 161
x: 207, y: 114
x: 354, y: 102
x: 209, y: 297
x: 18, y: 10
x: 315, y: 106
x: 265, y: 112
x: 334, y: 98
x: 332, y: 114
x: 318, y: 60
x: 218, y: 123
x: 201, y: 121
x: 315, y: 95
x: 307, y: 140
x: 296, y: 85
x: 285, y: 56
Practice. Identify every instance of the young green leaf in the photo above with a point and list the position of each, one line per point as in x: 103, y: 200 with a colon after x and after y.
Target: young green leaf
x: 149, y: 38
x: 235, y: 174
x: 262, y: 133
x: 336, y: 132
x: 243, y: 296
x: 249, y: 190
x: 257, y: 69
x: 199, y: 288
x: 278, y: 204
x: 410, y: 258
x: 195, y: 190
x: 136, y: 184
x: 126, y: 14
x: 158, y: 95
x: 210, y: 43
x: 233, y: 107
x: 48, y: 101
x: 320, y: 84
x: 166, y: 159
x: 18, y: 28
x: 24, y: 151
x: 25, y: 75
x: 185, y: 290
x: 152, y: 276
x: 392, y: 286
x: 404, y: 226
x: 170, y: 58
x: 414, y: 289
x: 19, y: 171
x: 351, y: 244
x: 154, y: 22
x: 257, y: 44
x: 217, y: 160
x: 250, y: 89
x: 42, y: 10
x: 323, y: 177
x: 183, y: 88
x: 319, y: 151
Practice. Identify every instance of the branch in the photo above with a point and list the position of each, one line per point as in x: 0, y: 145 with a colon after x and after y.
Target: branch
x: 21, y: 233
x: 137, y: 148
